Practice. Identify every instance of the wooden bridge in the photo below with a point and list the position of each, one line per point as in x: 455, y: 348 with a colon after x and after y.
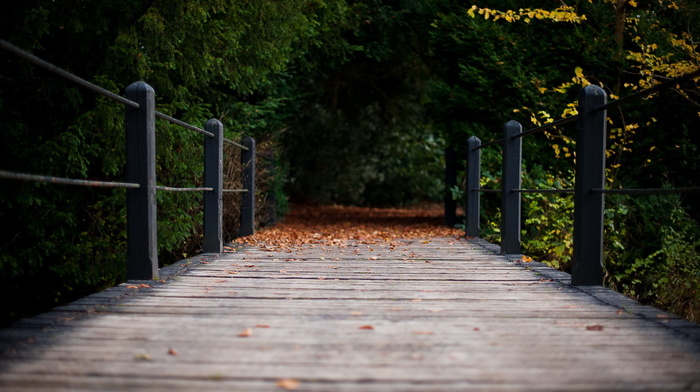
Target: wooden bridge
x: 435, y: 314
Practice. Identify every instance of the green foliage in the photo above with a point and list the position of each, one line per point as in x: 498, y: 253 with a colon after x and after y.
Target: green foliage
x: 202, y: 58
x: 355, y: 103
x: 548, y: 225
x: 652, y: 252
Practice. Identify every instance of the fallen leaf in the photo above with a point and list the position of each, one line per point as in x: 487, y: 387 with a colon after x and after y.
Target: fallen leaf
x: 172, y: 351
x: 132, y: 287
x: 366, y: 327
x: 143, y: 357
x: 288, y: 384
x: 262, y: 326
x: 526, y: 259
x: 246, y: 333
x: 594, y: 328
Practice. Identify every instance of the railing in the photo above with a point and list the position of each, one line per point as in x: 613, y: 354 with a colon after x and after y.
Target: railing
x: 141, y: 188
x: 589, y: 190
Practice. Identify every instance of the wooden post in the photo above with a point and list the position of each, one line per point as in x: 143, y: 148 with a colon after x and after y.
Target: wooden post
x: 472, y: 190
x: 248, y: 205
x: 450, y: 182
x: 587, y: 258
x: 213, y: 178
x: 510, y: 199
x: 141, y: 224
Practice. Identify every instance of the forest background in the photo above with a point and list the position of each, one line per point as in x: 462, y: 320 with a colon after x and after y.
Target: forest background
x: 356, y: 102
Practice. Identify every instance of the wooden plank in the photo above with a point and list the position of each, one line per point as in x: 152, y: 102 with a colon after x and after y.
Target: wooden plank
x: 467, y: 319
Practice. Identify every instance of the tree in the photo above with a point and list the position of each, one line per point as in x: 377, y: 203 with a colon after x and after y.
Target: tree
x: 203, y: 58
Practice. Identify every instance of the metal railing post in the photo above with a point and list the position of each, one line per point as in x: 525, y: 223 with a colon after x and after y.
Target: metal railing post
x: 213, y: 178
x: 472, y: 192
x: 510, y: 199
x: 248, y: 205
x: 587, y: 258
x: 142, y: 242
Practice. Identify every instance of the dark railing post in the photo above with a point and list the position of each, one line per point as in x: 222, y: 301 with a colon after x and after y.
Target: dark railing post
x: 213, y: 178
x: 472, y: 190
x: 142, y: 245
x: 510, y: 199
x: 450, y: 182
x: 587, y: 258
x: 248, y: 205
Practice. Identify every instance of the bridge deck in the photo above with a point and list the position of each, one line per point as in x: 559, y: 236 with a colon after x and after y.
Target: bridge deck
x: 426, y: 315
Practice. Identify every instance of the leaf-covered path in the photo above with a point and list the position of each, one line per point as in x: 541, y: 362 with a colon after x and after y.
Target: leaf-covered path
x: 353, y: 306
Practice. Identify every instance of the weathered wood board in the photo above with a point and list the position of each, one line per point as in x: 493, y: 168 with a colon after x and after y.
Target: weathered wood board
x: 430, y: 315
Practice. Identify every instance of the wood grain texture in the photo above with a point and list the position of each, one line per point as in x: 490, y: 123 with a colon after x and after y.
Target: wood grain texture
x: 431, y: 315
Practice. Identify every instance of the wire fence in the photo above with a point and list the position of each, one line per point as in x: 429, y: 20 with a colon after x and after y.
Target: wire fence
x: 140, y: 171
x: 589, y: 179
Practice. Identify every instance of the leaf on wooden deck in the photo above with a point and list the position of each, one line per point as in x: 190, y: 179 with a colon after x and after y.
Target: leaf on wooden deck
x: 343, y: 226
x: 366, y: 327
x: 288, y: 384
x: 246, y: 333
x: 594, y: 328
x: 171, y: 351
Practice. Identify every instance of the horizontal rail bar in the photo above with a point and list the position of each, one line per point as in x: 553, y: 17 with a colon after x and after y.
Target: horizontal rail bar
x: 183, y: 124
x: 547, y: 126
x: 650, y: 90
x: 482, y: 190
x: 658, y: 191
x: 242, y: 147
x: 234, y: 190
x: 171, y: 189
x: 499, y: 141
x: 65, y: 181
x: 48, y: 66
x: 544, y: 190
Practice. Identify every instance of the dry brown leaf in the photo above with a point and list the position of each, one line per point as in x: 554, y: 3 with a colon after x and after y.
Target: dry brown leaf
x: 262, y: 326
x: 172, y: 351
x: 246, y: 333
x: 288, y: 384
x: 366, y: 327
x: 594, y: 328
